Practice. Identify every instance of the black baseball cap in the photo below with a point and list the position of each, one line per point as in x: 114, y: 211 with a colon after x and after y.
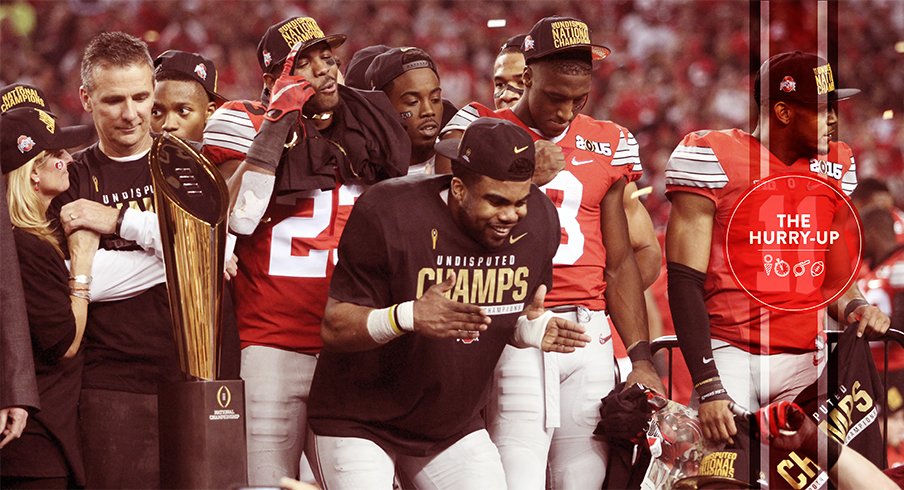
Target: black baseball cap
x: 195, y: 66
x: 495, y: 148
x: 554, y: 35
x: 392, y: 64
x: 18, y: 95
x: 513, y: 43
x: 25, y: 132
x: 799, y: 77
x: 279, y: 39
x: 357, y: 67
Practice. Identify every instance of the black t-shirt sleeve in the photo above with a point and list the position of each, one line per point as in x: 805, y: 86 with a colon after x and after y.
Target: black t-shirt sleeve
x: 46, y: 284
x: 362, y: 273
x: 555, y: 235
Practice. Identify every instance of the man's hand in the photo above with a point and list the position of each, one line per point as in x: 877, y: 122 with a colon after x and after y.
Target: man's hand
x: 12, y: 420
x: 560, y: 335
x: 644, y: 372
x: 784, y: 425
x: 717, y: 420
x: 550, y: 161
x: 232, y: 268
x: 439, y: 317
x: 88, y: 215
x: 872, y: 322
x: 290, y: 92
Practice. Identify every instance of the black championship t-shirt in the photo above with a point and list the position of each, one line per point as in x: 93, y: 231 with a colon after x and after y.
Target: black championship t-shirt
x: 129, y: 344
x: 417, y: 395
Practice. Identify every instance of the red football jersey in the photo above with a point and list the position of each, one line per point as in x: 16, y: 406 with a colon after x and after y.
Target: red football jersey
x: 597, y: 154
x: 286, y: 265
x: 721, y: 166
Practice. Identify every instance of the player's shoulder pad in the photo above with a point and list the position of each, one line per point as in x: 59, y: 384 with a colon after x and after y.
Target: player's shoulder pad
x: 466, y: 115
x: 695, y: 161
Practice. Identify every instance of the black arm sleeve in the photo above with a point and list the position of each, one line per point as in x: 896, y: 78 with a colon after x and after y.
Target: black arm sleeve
x: 685, y: 287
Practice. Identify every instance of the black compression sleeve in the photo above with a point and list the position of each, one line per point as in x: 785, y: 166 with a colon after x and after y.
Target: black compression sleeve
x: 685, y: 286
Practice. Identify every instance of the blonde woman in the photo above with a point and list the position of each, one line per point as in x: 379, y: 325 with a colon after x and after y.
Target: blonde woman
x: 34, y: 161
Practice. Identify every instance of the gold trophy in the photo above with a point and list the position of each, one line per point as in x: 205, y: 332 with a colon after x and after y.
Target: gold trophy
x: 202, y: 419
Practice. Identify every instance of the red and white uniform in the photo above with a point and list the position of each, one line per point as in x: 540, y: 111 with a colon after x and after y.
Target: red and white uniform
x: 546, y: 405
x: 285, y: 266
x: 721, y: 166
x: 597, y: 154
x: 281, y: 289
x: 898, y: 216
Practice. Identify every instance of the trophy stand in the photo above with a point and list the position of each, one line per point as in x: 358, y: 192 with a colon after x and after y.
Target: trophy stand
x: 202, y: 419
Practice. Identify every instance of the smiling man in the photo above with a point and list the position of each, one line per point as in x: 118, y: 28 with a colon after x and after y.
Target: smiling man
x: 410, y: 347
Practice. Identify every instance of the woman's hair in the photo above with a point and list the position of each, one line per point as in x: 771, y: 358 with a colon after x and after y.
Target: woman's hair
x: 25, y: 209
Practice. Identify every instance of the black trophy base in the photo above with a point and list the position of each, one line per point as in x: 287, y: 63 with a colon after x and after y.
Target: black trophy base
x: 202, y: 434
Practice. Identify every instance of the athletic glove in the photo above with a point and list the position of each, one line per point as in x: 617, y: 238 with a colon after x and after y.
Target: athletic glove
x: 784, y: 425
x: 290, y: 92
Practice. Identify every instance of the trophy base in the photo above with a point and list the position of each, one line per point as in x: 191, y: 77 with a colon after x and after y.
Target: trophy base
x: 202, y: 434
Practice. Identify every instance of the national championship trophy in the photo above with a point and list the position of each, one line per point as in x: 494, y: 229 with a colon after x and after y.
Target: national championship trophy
x: 201, y: 419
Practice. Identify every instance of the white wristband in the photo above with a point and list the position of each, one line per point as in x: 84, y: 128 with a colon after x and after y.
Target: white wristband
x: 529, y: 333
x: 386, y: 324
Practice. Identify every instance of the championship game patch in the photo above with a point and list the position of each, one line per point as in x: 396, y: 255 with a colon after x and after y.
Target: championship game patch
x: 268, y: 58
x: 528, y: 44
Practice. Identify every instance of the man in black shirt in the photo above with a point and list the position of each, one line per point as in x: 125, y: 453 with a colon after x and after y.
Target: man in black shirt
x: 129, y: 346
x: 421, y: 305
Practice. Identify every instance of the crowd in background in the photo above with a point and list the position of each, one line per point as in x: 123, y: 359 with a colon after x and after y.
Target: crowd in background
x: 676, y: 66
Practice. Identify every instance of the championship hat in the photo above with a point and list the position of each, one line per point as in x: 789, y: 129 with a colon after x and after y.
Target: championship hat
x: 554, y: 35
x: 25, y: 132
x: 492, y: 147
x: 193, y: 65
x: 357, y: 67
x: 735, y: 466
x: 514, y: 43
x: 798, y: 77
x: 18, y: 95
x: 279, y: 39
x: 392, y: 64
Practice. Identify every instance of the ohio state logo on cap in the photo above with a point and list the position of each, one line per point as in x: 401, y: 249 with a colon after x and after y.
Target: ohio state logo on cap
x: 201, y: 71
x: 528, y: 43
x: 788, y: 84
x: 268, y: 58
x: 25, y: 144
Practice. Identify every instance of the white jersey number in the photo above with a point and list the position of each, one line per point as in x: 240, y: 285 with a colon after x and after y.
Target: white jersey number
x: 282, y: 261
x: 572, y: 247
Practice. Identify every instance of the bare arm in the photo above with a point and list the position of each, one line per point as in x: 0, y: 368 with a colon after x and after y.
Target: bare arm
x: 647, y: 251
x: 871, y: 321
x: 82, y: 247
x: 227, y: 169
x: 624, y: 290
